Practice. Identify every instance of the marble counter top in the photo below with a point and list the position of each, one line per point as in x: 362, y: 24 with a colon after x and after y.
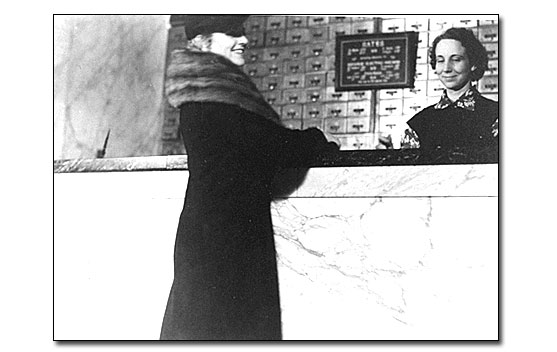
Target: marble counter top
x: 342, y: 158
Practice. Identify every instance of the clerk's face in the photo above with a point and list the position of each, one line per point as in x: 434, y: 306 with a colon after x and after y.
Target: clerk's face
x: 452, y: 64
x: 231, y: 47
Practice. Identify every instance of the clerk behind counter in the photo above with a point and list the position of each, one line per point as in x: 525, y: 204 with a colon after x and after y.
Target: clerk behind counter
x: 462, y: 117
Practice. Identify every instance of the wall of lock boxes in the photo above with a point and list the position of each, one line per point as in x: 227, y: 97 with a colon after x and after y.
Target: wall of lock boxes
x: 291, y: 59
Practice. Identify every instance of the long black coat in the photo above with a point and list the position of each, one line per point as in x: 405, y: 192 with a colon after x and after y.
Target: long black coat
x: 455, y: 127
x: 225, y: 271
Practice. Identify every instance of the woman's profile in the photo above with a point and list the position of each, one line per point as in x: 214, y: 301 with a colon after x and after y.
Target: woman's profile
x: 225, y: 271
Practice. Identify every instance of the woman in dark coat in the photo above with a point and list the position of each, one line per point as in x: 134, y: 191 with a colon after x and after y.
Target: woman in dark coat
x: 462, y: 117
x: 225, y: 272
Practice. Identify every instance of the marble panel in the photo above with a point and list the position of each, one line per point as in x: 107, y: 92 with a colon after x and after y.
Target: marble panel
x: 108, y: 76
x: 388, y: 269
x: 398, y: 181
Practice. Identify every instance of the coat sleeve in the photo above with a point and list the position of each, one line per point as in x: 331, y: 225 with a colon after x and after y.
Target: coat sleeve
x: 249, y: 132
x: 289, y: 147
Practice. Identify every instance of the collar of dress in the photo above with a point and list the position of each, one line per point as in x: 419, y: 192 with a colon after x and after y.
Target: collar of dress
x: 466, y: 101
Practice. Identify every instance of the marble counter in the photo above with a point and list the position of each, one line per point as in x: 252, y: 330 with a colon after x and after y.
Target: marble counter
x: 399, y: 252
x: 341, y: 158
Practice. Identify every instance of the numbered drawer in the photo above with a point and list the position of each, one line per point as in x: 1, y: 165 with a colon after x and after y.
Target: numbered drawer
x: 488, y: 22
x: 336, y: 110
x: 293, y: 124
x: 422, y: 71
x: 335, y: 125
x: 363, y: 27
x: 254, y: 55
x: 492, y: 50
x: 423, y: 39
x: 275, y: 38
x: 416, y: 24
x: 296, y: 21
x: 359, y: 95
x: 255, y: 70
x: 316, y: 80
x: 358, y: 142
x: 316, y: 64
x: 315, y: 95
x: 330, y: 75
x: 467, y: 22
x: 412, y: 106
x: 273, y: 68
x: 358, y: 124
x: 315, y: 50
x: 256, y: 39
x: 271, y: 83
x: 422, y: 56
x: 390, y: 124
x: 439, y: 24
x: 339, y: 29
x: 390, y: 94
x: 390, y: 107
x: 393, y: 25
x: 339, y: 19
x: 312, y: 123
x: 492, y: 67
x: 276, y: 23
x: 435, y: 88
x: 273, y: 54
x: 318, y: 21
x: 293, y: 96
x: 313, y: 111
x: 489, y: 84
x: 291, y: 111
x: 488, y: 34
x: 297, y: 36
x: 254, y: 23
x: 419, y: 90
x: 294, y: 81
x: 294, y: 66
x: 358, y: 108
x: 295, y: 52
x: 176, y: 38
x: 274, y: 98
x: 332, y: 95
x: 318, y: 34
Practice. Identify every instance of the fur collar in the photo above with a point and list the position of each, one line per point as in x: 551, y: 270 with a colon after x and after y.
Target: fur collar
x: 195, y: 76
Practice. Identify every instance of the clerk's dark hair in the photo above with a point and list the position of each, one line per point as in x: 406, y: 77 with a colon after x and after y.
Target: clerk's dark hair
x: 474, y: 49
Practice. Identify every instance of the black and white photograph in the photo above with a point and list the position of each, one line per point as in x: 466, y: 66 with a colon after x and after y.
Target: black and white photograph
x: 276, y: 177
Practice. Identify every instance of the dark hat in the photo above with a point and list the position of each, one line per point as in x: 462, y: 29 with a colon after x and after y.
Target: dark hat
x: 232, y: 25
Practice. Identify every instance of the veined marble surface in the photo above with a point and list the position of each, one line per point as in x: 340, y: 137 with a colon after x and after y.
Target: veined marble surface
x: 364, y: 253
x: 401, y: 181
x: 388, y: 269
x: 108, y: 75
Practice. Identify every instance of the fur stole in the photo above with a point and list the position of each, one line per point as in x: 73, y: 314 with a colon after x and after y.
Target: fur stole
x: 204, y: 77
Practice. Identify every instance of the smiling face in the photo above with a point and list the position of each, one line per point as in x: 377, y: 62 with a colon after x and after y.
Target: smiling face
x: 230, y: 47
x: 453, y: 65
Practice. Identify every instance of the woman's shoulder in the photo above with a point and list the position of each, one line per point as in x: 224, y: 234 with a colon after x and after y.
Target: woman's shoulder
x: 423, y: 114
x: 487, y: 105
